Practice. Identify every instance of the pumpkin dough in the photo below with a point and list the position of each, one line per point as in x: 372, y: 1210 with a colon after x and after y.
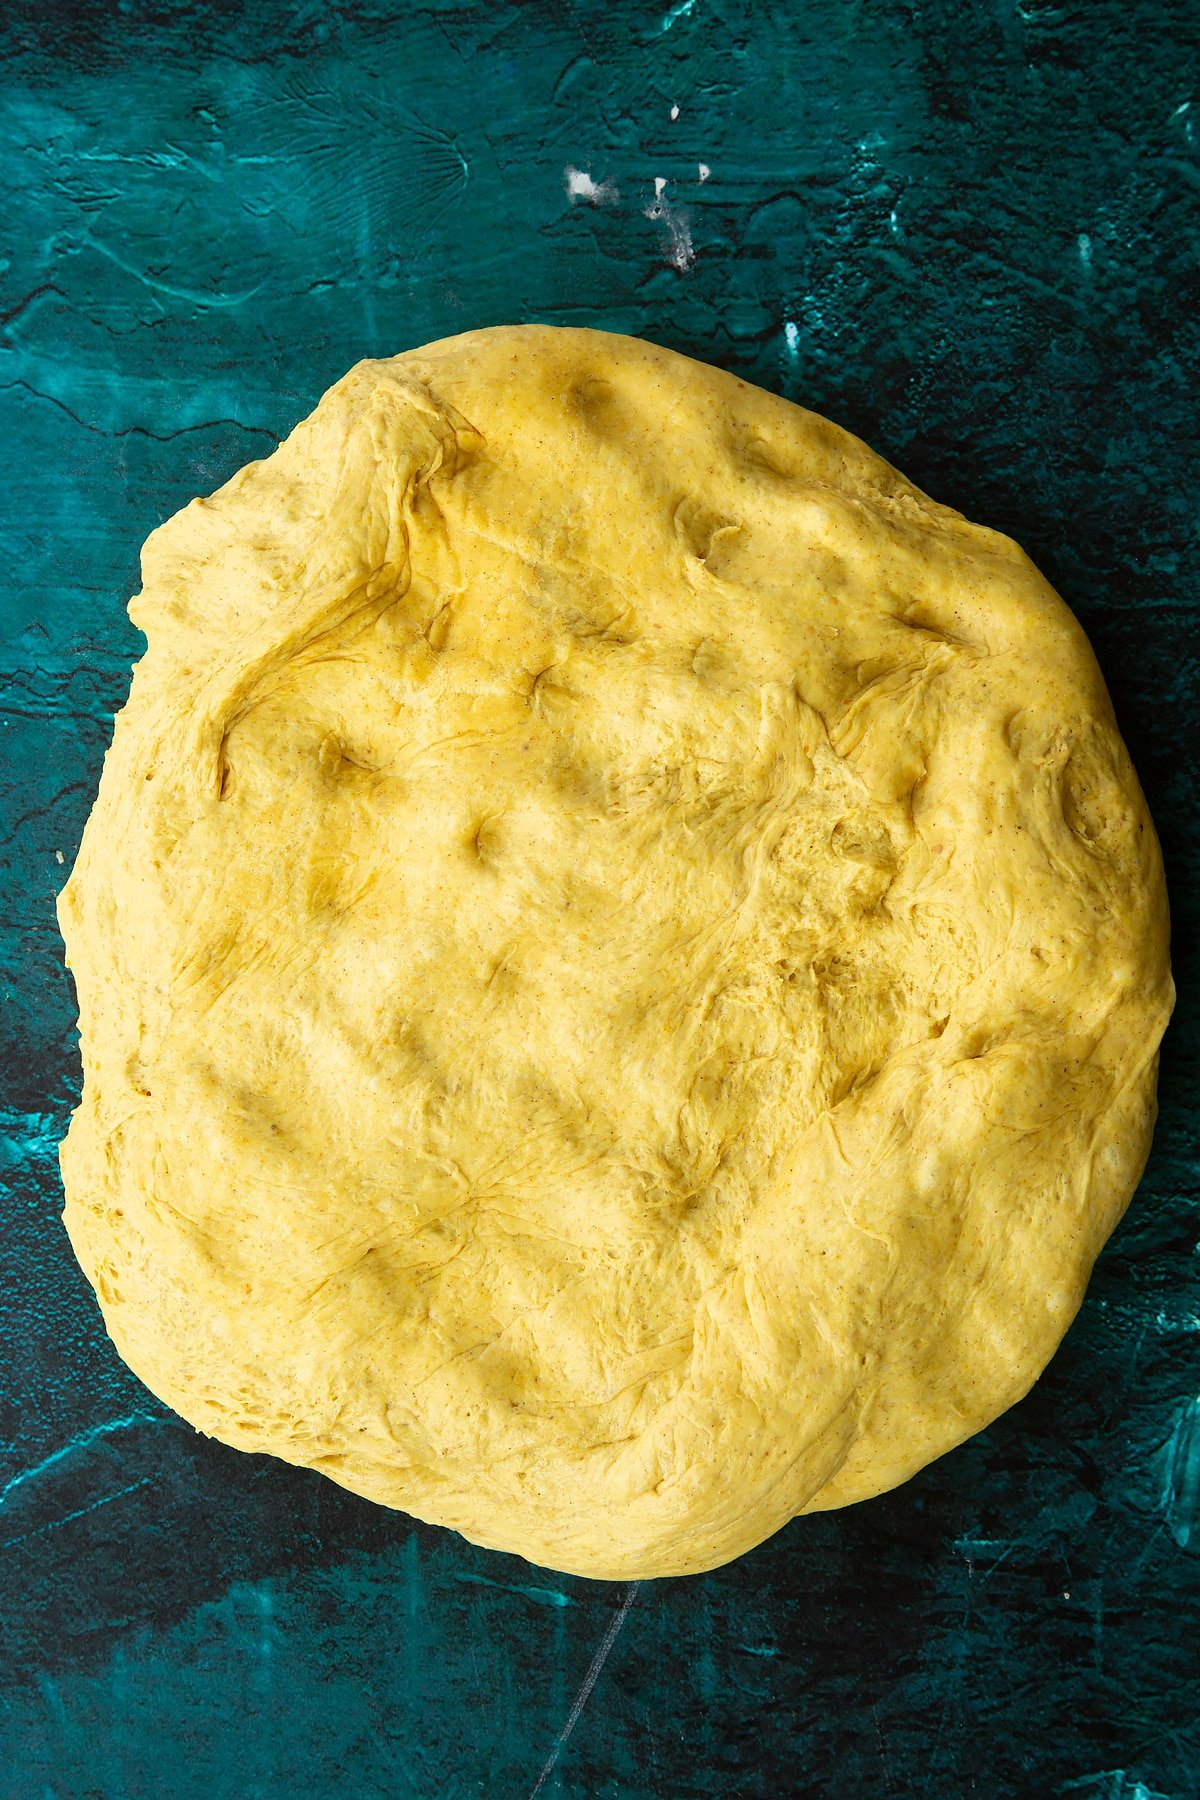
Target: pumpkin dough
x: 620, y: 956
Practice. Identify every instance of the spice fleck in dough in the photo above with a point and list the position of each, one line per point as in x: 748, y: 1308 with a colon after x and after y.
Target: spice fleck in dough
x: 620, y: 956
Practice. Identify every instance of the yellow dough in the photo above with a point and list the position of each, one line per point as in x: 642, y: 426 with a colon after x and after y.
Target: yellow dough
x: 621, y: 959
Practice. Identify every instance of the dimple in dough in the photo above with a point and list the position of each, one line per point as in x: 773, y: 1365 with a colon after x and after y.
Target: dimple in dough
x: 620, y: 957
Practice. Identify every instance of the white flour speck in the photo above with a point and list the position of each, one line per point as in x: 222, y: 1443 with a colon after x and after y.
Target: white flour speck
x: 677, y: 246
x: 705, y: 171
x: 580, y: 186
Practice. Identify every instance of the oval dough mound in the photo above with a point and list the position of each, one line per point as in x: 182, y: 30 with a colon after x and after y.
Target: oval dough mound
x: 621, y: 959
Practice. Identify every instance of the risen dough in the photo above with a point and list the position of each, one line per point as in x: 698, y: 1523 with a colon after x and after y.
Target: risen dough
x: 620, y: 957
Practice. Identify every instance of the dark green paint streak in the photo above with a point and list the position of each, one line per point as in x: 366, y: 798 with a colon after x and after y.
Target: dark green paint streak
x: 968, y: 232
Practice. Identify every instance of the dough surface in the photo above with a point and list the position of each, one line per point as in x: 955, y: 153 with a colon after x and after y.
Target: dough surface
x: 620, y: 956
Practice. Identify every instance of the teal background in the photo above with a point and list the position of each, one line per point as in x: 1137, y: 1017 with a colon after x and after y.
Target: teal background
x: 970, y: 233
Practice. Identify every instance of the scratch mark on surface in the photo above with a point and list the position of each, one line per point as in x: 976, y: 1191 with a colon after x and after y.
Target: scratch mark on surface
x: 365, y: 257
x: 14, y: 312
x: 159, y: 437
x: 547, y: 1596
x: 27, y: 1135
x: 82, y: 1441
x: 197, y: 298
x: 1181, y: 1485
x: 33, y: 812
x: 883, y: 1755
x: 577, y: 64
x: 1113, y: 1782
x: 585, y: 1689
x: 968, y: 1547
x: 79, y: 1512
x: 54, y: 1703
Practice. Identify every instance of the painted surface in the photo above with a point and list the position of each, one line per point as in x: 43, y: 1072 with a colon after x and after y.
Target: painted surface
x: 970, y: 233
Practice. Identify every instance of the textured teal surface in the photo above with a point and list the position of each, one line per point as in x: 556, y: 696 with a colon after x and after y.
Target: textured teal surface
x: 969, y: 232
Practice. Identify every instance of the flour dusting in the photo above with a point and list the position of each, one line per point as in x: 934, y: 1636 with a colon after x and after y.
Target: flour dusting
x: 677, y: 236
x: 581, y: 186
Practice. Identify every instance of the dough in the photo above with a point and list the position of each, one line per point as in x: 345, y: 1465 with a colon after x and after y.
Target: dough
x: 620, y: 957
